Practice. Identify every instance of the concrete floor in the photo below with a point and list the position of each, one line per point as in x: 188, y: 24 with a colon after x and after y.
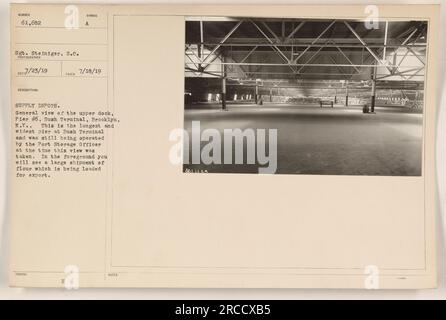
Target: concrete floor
x: 328, y: 141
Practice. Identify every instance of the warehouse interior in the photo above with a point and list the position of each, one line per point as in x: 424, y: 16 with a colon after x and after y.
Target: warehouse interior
x: 345, y: 96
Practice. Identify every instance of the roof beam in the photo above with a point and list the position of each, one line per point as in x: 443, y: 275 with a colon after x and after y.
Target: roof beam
x: 252, y: 42
x: 271, y: 42
x: 279, y: 52
x: 348, y: 59
x: 299, y: 64
x: 409, y: 47
x: 271, y: 31
x: 310, y: 59
x: 366, y: 47
x: 337, y: 65
x: 300, y: 25
x: 249, y: 53
x: 386, y: 29
x: 315, y: 40
x: 223, y: 40
x: 363, y: 42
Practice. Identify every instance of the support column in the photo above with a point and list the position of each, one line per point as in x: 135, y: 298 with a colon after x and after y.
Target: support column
x: 201, y: 48
x: 372, y: 104
x: 417, y: 96
x: 385, y: 40
x: 270, y: 94
x: 256, y: 95
x: 336, y: 96
x: 223, y: 93
x: 223, y: 84
x: 346, y: 93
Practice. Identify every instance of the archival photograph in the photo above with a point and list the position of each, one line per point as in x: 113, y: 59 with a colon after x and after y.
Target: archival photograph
x: 304, y: 96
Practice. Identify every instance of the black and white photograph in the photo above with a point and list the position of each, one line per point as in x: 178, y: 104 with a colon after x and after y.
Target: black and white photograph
x: 217, y: 150
x: 304, y: 96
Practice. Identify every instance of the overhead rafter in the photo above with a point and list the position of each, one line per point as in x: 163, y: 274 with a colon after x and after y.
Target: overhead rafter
x: 314, y: 45
x: 314, y: 41
x: 271, y: 42
x: 309, y: 60
x: 337, y: 65
x: 403, y: 44
x: 282, y: 39
x: 271, y: 31
x: 296, y: 64
x: 249, y: 53
x: 386, y: 31
x: 373, y: 54
x: 223, y: 40
x: 290, y: 36
x: 347, y: 58
x: 410, y: 49
x: 279, y: 52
